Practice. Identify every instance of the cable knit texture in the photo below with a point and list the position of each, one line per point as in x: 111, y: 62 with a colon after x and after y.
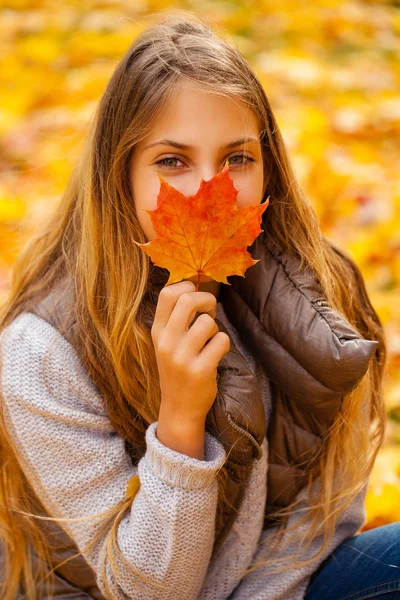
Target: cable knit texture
x: 78, y: 465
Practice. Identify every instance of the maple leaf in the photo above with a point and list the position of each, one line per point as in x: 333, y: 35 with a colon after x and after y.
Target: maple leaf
x: 203, y: 234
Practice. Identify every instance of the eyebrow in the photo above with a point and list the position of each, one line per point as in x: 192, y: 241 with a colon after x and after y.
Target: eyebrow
x: 188, y: 147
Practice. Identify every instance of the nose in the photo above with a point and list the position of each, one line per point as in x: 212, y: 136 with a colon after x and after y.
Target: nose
x: 206, y: 173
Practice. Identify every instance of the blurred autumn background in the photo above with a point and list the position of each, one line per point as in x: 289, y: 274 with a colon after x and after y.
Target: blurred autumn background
x: 331, y: 70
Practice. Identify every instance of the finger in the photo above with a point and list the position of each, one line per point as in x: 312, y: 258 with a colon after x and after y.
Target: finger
x: 167, y: 299
x: 213, y: 352
x: 187, y: 305
x: 198, y: 335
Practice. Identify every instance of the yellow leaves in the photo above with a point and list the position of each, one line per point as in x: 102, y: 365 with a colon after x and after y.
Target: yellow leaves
x: 11, y: 209
x: 383, y: 497
x: 133, y: 487
x: 85, y: 46
x: 39, y: 49
x: 81, y: 88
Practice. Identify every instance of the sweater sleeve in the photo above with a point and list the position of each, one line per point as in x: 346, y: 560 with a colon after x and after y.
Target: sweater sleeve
x: 292, y: 584
x: 78, y: 466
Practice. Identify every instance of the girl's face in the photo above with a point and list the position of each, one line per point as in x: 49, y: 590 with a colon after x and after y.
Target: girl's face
x: 191, y: 141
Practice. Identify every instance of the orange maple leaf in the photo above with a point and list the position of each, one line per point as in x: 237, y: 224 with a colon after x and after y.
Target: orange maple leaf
x: 203, y: 234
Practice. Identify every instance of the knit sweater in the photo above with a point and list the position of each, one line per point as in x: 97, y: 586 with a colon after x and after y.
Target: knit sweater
x: 78, y: 466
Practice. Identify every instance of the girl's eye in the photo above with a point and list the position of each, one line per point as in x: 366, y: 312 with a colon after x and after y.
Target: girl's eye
x: 163, y: 163
x: 247, y: 159
x: 175, y: 158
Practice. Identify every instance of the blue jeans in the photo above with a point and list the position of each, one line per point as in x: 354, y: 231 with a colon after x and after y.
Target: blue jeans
x: 366, y: 565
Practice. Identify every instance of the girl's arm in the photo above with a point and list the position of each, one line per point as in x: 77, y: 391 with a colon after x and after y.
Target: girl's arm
x: 78, y: 466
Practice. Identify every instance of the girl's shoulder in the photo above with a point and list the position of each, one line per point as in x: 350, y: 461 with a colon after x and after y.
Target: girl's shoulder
x: 35, y: 355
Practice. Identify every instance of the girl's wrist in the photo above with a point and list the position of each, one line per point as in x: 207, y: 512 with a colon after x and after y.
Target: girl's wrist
x: 181, y: 434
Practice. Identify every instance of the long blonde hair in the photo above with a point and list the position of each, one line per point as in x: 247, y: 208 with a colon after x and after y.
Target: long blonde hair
x: 90, y: 236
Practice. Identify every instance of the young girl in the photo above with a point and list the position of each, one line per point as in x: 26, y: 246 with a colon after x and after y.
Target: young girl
x: 114, y: 443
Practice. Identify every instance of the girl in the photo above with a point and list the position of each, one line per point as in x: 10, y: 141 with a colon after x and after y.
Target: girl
x: 112, y: 475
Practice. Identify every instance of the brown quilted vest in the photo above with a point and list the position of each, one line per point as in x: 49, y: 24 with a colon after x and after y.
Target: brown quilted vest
x: 311, y: 355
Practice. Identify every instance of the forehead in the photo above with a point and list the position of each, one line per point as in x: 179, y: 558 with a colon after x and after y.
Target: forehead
x: 193, y: 112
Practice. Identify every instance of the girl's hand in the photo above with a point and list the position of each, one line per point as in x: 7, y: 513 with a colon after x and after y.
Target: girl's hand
x: 187, y: 358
